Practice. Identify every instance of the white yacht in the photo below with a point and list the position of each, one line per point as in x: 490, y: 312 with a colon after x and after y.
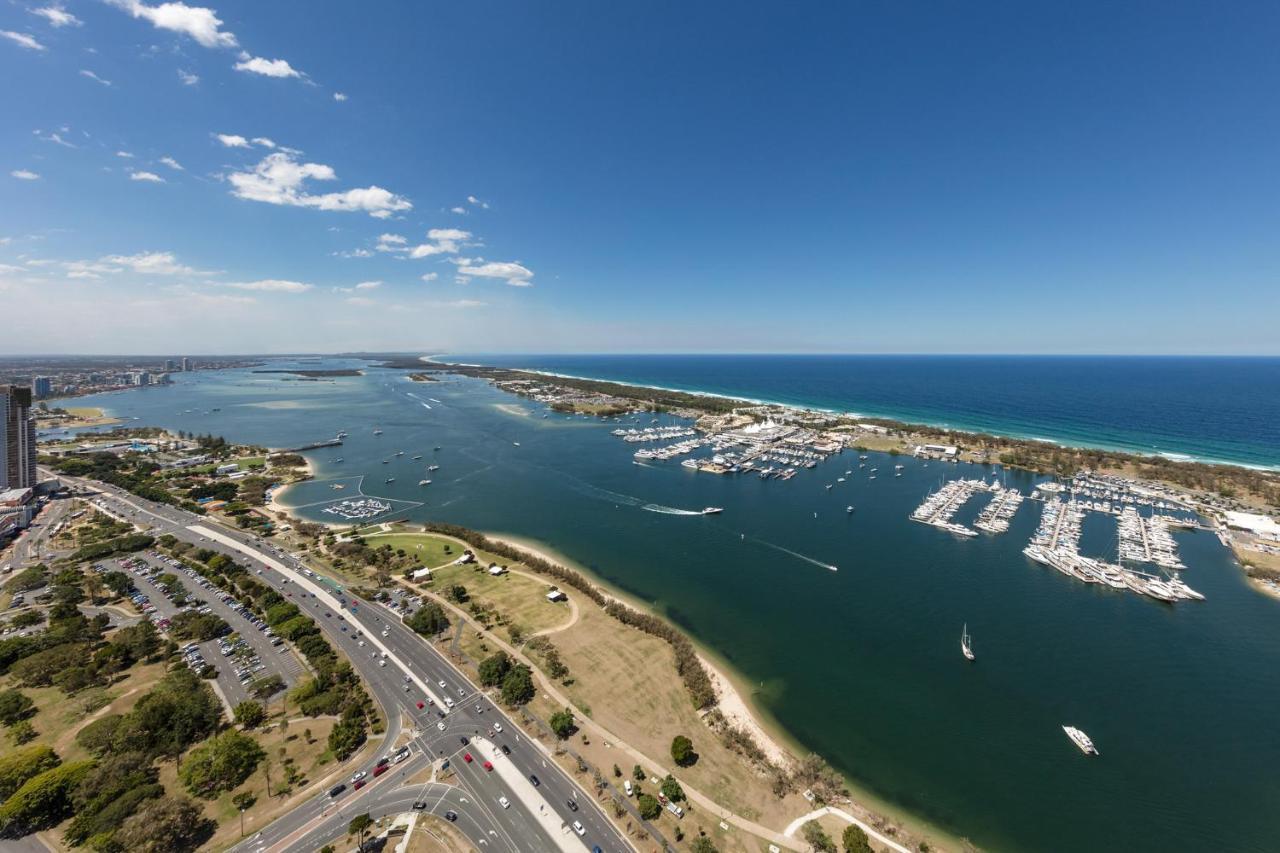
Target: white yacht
x: 712, y: 510
x: 965, y: 648
x: 424, y: 482
x: 1081, y: 740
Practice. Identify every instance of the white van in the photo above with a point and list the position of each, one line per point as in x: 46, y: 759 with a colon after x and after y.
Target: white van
x: 626, y: 786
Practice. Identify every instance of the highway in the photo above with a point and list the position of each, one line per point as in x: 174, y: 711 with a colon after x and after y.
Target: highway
x: 401, y: 669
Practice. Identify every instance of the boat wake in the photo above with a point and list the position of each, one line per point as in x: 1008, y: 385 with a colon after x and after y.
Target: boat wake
x: 424, y: 403
x: 669, y: 510
x: 795, y: 554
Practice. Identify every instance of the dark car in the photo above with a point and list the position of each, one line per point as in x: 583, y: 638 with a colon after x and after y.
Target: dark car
x: 337, y: 789
x: 450, y: 815
x: 573, y: 807
x: 534, y: 780
x: 506, y: 750
x: 463, y: 739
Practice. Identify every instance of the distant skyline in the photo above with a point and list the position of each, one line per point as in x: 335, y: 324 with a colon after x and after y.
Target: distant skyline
x: 581, y: 177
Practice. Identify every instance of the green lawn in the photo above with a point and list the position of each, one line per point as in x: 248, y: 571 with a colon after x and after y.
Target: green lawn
x: 429, y: 550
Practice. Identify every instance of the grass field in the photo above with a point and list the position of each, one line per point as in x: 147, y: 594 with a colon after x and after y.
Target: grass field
x: 58, y: 717
x: 429, y: 550
x: 522, y: 600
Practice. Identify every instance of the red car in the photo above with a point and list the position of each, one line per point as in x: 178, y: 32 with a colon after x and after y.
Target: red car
x: 379, y: 770
x: 358, y: 785
x: 466, y: 756
x: 488, y: 765
x: 421, y: 706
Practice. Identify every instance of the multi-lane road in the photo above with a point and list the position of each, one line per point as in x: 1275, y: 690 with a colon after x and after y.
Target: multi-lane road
x: 524, y: 803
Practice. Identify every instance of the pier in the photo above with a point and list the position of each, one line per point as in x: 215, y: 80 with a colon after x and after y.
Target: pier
x: 939, y: 507
x: 995, y: 516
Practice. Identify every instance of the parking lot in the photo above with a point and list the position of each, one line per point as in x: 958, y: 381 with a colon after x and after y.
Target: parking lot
x: 245, y: 654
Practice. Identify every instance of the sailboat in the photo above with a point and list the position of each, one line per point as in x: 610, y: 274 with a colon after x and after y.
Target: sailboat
x: 964, y: 643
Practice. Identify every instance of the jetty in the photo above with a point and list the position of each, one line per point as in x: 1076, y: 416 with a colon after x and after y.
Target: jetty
x: 939, y: 507
x: 995, y: 516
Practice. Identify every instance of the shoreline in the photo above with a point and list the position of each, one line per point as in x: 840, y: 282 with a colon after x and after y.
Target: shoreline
x: 1066, y: 444
x: 733, y: 687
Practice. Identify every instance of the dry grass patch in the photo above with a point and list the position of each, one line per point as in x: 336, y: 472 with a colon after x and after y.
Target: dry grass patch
x: 521, y: 600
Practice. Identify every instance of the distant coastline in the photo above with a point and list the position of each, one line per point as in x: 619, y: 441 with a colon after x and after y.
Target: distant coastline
x: 905, y: 420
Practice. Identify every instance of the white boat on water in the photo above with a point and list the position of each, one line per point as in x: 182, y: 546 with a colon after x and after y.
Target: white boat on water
x: 712, y: 510
x: 1081, y: 740
x: 965, y: 648
x: 424, y: 482
x: 390, y: 480
x: 433, y: 467
x: 377, y: 432
x: 849, y: 509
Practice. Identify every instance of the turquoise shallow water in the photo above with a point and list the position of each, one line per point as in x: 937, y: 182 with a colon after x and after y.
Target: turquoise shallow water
x: 862, y: 664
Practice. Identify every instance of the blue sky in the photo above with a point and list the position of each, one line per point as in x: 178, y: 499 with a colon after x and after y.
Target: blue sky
x: 855, y: 177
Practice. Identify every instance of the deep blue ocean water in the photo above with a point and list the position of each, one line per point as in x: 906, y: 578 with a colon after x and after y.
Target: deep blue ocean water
x: 1219, y: 409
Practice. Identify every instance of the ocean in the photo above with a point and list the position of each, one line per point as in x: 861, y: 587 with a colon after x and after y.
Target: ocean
x: 862, y: 664
x: 1211, y: 409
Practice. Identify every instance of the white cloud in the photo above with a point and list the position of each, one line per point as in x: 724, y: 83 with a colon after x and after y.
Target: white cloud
x: 187, y: 78
x: 266, y: 67
x: 55, y: 138
x: 264, y: 141
x: 465, y: 303
x: 231, y: 140
x: 25, y: 175
x: 279, y: 179
x: 360, y: 300
x: 94, y: 77
x: 514, y: 274
x: 57, y: 16
x: 477, y: 202
x: 273, y: 285
x: 152, y: 263
x: 430, y: 276
x: 355, y: 253
x: 199, y: 23
x: 124, y: 154
x: 368, y: 285
x: 444, y: 241
x: 22, y: 40
x: 392, y: 238
x: 339, y: 97
x: 172, y: 164
x: 459, y: 210
x: 149, y: 177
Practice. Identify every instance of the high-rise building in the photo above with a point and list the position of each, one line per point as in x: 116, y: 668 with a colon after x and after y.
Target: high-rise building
x: 142, y: 377
x: 187, y: 364
x: 42, y: 387
x: 170, y: 365
x: 17, y: 439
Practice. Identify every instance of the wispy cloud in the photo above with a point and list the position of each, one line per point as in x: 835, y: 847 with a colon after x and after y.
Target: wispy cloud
x: 273, y: 285
x: 187, y: 78
x: 22, y: 40
x: 430, y: 276
x: 339, y: 97
x: 172, y: 164
x: 94, y: 77
x: 441, y: 241
x: 472, y: 200
x: 25, y: 175
x: 57, y: 16
x: 148, y: 177
x: 232, y: 140
x: 55, y: 138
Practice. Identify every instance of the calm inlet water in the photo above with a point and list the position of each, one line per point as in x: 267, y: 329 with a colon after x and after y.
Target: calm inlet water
x: 862, y: 665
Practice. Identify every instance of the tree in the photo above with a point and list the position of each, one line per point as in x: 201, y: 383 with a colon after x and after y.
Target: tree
x: 221, y: 763
x: 671, y: 789
x: 457, y: 594
x: 428, y: 619
x: 165, y: 825
x: 250, y: 714
x: 14, y: 706
x: 22, y: 732
x: 348, y: 735
x: 682, y: 751
x: 855, y: 840
x: 20, y: 765
x: 649, y: 806
x: 817, y: 837
x: 637, y: 773
x: 517, y: 685
x: 702, y: 844
x: 358, y: 826
x: 41, y: 801
x: 562, y: 723
x: 494, y: 668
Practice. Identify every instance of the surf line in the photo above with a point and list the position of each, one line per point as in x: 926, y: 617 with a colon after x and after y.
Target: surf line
x: 829, y: 567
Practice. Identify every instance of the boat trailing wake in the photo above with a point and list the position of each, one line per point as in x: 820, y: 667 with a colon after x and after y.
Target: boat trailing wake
x: 669, y: 510
x: 420, y: 400
x: 795, y: 554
